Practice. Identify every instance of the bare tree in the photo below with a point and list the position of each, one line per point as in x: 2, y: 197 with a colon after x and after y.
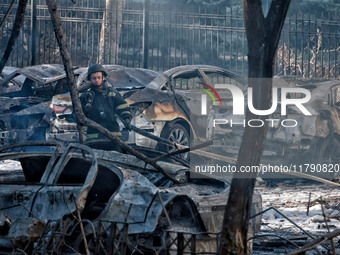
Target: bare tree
x: 263, y: 34
x: 18, y: 22
x: 111, y: 29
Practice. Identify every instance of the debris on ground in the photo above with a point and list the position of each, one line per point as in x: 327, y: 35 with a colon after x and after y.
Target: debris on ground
x: 300, y: 202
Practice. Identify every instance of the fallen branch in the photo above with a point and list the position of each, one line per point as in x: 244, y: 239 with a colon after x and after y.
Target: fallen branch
x: 316, y: 242
x: 325, y: 219
x: 89, y: 123
x: 196, y: 147
x: 310, y: 177
x: 314, y: 178
x: 82, y: 229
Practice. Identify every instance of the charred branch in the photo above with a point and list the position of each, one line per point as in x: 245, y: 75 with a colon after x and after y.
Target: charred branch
x: 199, y: 146
x: 18, y: 22
x: 7, y: 13
x: 91, y: 124
x: 325, y: 219
x: 316, y: 242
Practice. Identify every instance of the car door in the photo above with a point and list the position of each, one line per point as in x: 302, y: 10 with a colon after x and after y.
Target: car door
x: 52, y: 196
x: 335, y: 112
x: 186, y: 87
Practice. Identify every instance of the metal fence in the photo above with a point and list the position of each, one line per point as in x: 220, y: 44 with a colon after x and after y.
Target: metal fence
x: 160, y: 36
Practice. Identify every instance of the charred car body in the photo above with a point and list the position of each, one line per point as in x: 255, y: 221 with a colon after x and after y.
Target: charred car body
x: 316, y: 136
x: 25, y: 97
x: 310, y: 139
x: 102, y: 188
x: 26, y: 93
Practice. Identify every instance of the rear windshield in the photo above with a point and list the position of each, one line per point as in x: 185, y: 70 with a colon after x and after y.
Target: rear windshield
x: 131, y: 78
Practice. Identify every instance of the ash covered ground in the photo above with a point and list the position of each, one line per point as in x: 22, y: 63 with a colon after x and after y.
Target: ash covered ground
x: 300, y: 201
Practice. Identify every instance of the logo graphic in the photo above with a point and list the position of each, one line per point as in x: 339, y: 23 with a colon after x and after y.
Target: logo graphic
x: 238, y: 98
x: 204, y: 97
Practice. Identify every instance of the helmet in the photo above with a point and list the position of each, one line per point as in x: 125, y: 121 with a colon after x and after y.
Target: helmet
x: 94, y: 69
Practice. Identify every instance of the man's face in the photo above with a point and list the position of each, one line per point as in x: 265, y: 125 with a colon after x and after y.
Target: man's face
x: 97, y: 78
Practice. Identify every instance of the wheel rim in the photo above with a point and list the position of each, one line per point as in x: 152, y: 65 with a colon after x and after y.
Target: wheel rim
x: 330, y: 152
x: 180, y: 137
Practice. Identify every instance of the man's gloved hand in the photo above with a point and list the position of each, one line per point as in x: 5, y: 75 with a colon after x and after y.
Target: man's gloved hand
x: 88, y: 99
x: 88, y: 107
x: 127, y: 122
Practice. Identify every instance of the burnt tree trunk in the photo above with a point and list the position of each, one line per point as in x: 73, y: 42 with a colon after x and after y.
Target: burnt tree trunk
x: 18, y: 22
x: 110, y: 31
x: 263, y: 34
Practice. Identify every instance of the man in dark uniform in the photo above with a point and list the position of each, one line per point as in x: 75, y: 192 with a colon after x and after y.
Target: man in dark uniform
x: 101, y: 103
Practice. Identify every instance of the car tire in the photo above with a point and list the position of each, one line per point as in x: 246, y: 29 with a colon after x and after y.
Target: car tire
x: 178, y: 134
x: 329, y: 151
x: 328, y: 154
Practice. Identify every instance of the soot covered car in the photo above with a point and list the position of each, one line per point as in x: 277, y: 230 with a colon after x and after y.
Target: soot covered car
x: 316, y: 138
x: 312, y: 139
x: 25, y: 98
x: 57, y: 198
x: 24, y: 101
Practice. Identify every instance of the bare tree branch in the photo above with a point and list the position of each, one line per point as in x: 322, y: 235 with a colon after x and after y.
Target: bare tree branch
x: 278, y: 11
x: 18, y: 22
x: 7, y: 13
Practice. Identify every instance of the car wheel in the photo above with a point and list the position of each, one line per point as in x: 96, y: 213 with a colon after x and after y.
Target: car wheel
x: 328, y: 154
x: 177, y: 134
x: 329, y: 151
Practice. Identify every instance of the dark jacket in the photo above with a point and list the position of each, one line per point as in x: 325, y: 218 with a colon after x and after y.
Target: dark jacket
x: 102, y: 105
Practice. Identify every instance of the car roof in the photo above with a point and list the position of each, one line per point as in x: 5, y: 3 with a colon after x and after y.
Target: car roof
x: 181, y: 69
x: 9, y: 69
x: 130, y: 78
x: 204, y: 67
x: 19, y: 80
x: 42, y: 73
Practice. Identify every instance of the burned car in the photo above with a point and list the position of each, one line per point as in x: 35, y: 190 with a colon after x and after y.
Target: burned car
x: 167, y: 104
x: 25, y: 97
x: 62, y: 197
x: 312, y: 139
x: 317, y: 136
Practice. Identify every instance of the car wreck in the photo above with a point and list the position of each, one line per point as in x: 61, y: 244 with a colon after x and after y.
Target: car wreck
x: 25, y: 96
x: 82, y: 200
x: 313, y: 137
x: 316, y: 136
